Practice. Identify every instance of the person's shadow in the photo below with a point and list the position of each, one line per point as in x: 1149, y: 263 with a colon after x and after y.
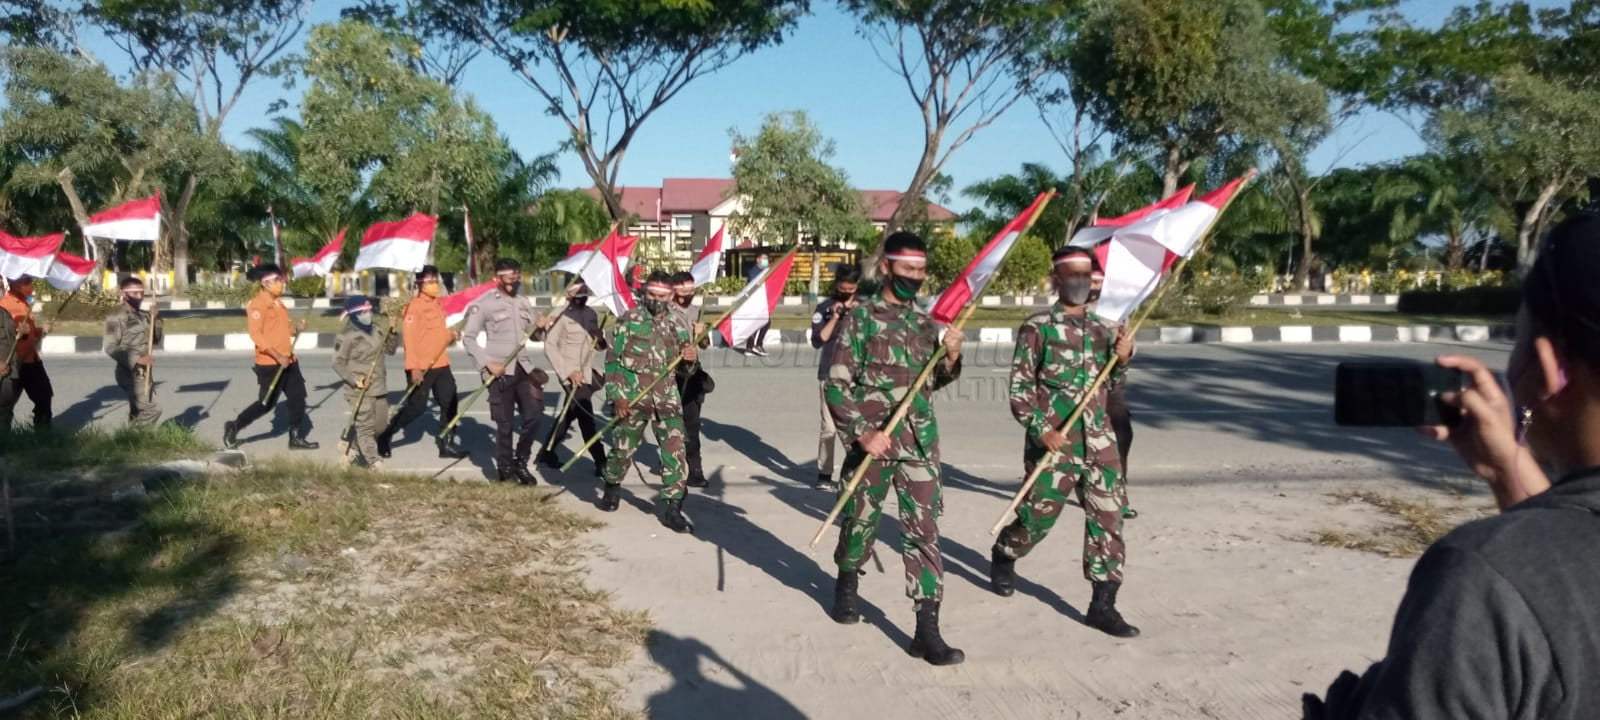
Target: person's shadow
x: 750, y: 445
x: 694, y: 692
x: 85, y: 411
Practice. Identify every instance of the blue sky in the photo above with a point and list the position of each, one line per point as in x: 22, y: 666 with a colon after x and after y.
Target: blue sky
x: 826, y: 69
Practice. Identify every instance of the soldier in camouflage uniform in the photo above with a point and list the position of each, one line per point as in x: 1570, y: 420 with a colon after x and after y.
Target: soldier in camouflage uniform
x: 1059, y: 354
x: 647, y: 339
x: 882, y: 346
x: 356, y: 350
x: 128, y: 336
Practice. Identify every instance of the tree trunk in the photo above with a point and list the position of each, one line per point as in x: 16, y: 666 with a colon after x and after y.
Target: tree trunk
x: 79, y: 213
x: 180, y: 235
x: 1173, y: 169
x: 1528, y: 225
x: 1308, y: 239
x: 1455, y: 251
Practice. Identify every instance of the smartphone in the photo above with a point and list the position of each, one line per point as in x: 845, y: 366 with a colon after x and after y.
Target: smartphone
x: 1394, y: 394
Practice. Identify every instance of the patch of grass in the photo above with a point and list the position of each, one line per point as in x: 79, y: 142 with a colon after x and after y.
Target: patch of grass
x: 44, y: 450
x: 296, y: 590
x: 1413, y: 526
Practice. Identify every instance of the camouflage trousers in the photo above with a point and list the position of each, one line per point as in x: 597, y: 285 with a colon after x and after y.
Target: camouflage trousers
x: 919, y: 492
x: 370, y: 419
x: 628, y: 435
x: 1094, y: 472
x: 142, y: 408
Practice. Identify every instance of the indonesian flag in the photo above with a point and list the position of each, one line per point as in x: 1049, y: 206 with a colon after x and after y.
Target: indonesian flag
x: 455, y: 304
x: 756, y: 302
x: 972, y: 281
x: 604, y: 275
x: 398, y: 245
x: 132, y: 221
x: 1138, y: 255
x: 578, y: 254
x: 710, y: 260
x: 28, y: 256
x: 1102, y: 230
x: 321, y: 263
x: 69, y: 271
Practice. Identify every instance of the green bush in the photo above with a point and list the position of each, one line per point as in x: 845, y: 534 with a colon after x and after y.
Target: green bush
x: 84, y: 306
x: 233, y: 295
x: 307, y: 287
x: 1467, y: 301
x: 1219, y: 295
x: 1025, y: 269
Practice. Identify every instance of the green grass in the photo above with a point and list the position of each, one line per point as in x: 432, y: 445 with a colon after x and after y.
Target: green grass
x: 92, y: 446
x: 294, y: 590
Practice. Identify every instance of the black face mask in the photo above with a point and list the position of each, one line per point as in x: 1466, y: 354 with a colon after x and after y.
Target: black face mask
x: 683, y: 300
x: 1075, y: 290
x: 578, y: 301
x: 843, y: 297
x: 905, y: 288
x: 133, y: 302
x: 656, y: 307
x: 511, y: 288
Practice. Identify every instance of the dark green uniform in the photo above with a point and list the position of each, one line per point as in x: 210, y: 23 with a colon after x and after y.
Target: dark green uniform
x: 642, y: 347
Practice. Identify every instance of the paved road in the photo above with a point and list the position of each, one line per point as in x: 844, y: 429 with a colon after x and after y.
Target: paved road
x: 1200, y: 411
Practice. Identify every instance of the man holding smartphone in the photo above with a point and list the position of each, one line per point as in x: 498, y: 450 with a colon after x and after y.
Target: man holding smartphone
x: 1500, y: 618
x: 824, y: 336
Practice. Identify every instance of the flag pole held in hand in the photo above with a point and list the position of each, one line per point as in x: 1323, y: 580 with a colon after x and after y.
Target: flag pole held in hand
x: 760, y: 281
x: 1082, y: 403
x: 963, y: 294
x: 566, y: 403
x: 149, y: 351
x: 361, y: 397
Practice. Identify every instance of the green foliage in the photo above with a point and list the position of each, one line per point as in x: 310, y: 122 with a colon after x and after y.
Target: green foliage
x: 1216, y: 295
x: 84, y: 306
x: 783, y: 172
x: 93, y: 447
x: 234, y: 295
x: 312, y: 287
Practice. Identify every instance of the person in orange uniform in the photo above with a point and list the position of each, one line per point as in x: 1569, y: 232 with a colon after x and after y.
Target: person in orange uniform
x: 427, y: 365
x: 30, y: 375
x: 273, y: 336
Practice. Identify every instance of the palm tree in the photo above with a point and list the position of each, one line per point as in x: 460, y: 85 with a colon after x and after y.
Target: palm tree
x: 308, y: 216
x: 1429, y: 194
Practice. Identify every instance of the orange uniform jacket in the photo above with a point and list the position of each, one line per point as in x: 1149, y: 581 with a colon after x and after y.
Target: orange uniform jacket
x: 27, y: 334
x: 426, y: 335
x: 269, y: 328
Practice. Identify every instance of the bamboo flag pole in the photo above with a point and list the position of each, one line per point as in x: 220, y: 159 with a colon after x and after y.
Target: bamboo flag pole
x: 411, y: 387
x: 507, y: 363
x: 695, y: 341
x: 361, y: 397
x: 904, y: 406
x: 1081, y: 405
x: 149, y: 350
x: 566, y: 402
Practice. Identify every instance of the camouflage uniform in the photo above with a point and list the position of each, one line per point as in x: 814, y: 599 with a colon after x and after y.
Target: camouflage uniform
x: 880, y: 350
x: 127, y: 336
x: 1057, y: 358
x: 354, y: 352
x: 642, y: 347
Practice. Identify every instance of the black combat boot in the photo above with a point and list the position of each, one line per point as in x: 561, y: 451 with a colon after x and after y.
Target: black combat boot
x: 1103, y: 615
x: 298, y: 441
x: 697, y: 478
x: 449, y: 450
x: 520, y: 469
x: 504, y: 475
x: 385, y: 440
x: 927, y: 644
x: 600, y: 464
x: 547, y: 458
x: 673, y: 518
x: 844, y: 598
x: 1002, y: 573
x: 230, y: 435
x: 611, y: 499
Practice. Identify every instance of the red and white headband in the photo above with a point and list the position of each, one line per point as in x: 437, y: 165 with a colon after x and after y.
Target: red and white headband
x: 657, y: 286
x: 1085, y: 259
x: 269, y: 277
x: 907, y: 254
x: 357, y: 309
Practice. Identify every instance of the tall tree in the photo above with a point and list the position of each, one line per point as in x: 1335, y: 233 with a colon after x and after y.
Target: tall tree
x: 791, y: 191
x: 964, y: 63
x: 1433, y: 194
x: 73, y: 125
x: 1181, y: 77
x: 214, y: 51
x: 604, y: 68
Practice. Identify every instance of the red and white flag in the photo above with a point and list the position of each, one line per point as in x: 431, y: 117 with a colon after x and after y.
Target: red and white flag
x: 27, y: 256
x: 320, y: 264
x: 755, y: 313
x: 69, y: 271
x: 1138, y: 255
x: 972, y: 281
x: 455, y: 304
x: 604, y: 275
x: 132, y: 221
x: 1102, y: 230
x: 398, y: 245
x: 710, y: 261
x: 578, y: 254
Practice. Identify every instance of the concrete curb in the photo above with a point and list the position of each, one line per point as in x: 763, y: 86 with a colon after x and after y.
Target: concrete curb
x: 1287, y: 334
x: 1294, y: 299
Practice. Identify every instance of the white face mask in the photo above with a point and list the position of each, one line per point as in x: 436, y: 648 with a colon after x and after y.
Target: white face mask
x: 364, y: 317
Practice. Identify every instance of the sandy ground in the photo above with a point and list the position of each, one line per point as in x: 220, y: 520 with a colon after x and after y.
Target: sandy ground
x: 1234, y: 463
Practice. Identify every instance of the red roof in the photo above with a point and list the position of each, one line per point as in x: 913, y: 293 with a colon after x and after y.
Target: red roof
x: 697, y: 195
